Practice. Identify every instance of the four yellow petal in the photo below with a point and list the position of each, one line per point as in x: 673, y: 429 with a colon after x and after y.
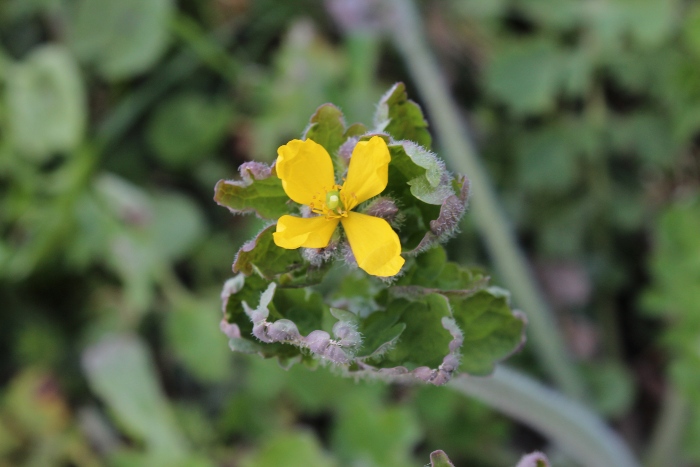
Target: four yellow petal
x: 368, y: 173
x: 310, y: 232
x: 374, y: 243
x: 305, y: 169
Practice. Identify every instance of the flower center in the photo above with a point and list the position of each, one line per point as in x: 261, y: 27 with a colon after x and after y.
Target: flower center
x: 333, y: 206
x: 333, y: 200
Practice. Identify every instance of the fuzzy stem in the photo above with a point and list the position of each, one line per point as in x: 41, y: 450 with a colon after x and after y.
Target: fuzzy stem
x: 407, y: 34
x: 573, y: 427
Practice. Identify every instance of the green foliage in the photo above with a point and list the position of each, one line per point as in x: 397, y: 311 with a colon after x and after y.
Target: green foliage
x: 121, y: 38
x: 538, y: 66
x: 197, y: 342
x: 46, y: 103
x: 260, y: 256
x: 259, y: 191
x: 117, y: 118
x: 290, y: 450
x: 186, y: 127
x: 327, y: 128
x: 440, y: 459
x: 675, y: 268
x: 401, y: 118
x: 121, y: 372
x: 386, y: 433
x: 417, y: 327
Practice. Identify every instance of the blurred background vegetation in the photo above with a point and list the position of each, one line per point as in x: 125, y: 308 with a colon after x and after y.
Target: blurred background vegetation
x: 117, y: 117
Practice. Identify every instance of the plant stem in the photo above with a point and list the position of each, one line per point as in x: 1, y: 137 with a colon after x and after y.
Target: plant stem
x: 206, y: 47
x: 177, y: 69
x: 407, y: 34
x: 666, y: 439
x: 574, y: 428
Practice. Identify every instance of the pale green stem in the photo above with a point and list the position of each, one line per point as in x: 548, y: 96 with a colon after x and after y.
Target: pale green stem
x: 577, y: 431
x: 207, y: 48
x: 668, y: 433
x: 407, y: 34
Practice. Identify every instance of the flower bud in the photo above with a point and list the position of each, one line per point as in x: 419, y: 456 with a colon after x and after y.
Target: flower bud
x: 384, y: 208
x: 345, y: 150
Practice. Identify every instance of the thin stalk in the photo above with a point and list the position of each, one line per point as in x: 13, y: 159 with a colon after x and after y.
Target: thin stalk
x: 576, y: 430
x: 666, y: 439
x: 407, y: 34
x: 206, y: 47
x: 134, y: 105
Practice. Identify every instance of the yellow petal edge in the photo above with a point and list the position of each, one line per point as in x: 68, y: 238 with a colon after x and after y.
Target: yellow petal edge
x: 308, y: 232
x: 374, y: 243
x: 368, y: 173
x: 305, y: 169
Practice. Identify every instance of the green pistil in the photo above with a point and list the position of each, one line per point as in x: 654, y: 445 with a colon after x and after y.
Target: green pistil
x: 333, y: 201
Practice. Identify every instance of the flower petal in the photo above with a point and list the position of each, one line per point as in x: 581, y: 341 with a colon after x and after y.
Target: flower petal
x: 309, y: 232
x: 305, y: 169
x: 374, y: 243
x: 368, y: 173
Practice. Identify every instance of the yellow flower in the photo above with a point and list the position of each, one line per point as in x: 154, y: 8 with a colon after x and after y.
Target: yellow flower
x: 306, y: 171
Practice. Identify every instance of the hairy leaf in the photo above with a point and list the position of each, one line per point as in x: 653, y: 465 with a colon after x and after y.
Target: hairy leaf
x: 327, y: 128
x: 401, y: 118
x: 260, y: 255
x: 259, y: 191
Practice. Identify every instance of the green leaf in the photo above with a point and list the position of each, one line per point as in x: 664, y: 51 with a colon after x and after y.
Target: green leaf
x: 121, y: 37
x: 440, y: 459
x: 356, y: 129
x: 298, y: 449
x: 547, y: 160
x: 424, y: 342
x: 416, y: 330
x: 526, y: 76
x: 381, y: 331
x: 177, y: 226
x: 259, y: 191
x: 367, y: 433
x: 425, y: 172
x: 195, y: 340
x: 284, y: 320
x: 186, y: 127
x: 419, y: 183
x: 491, y: 330
x: 401, y: 118
x: 648, y: 135
x: 691, y: 29
x: 565, y: 16
x: 431, y: 271
x: 236, y: 291
x: 327, y: 128
x: 611, y: 387
x: 263, y: 257
x: 649, y: 22
x: 120, y: 371
x: 46, y: 103
x: 305, y: 308
x: 673, y: 296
